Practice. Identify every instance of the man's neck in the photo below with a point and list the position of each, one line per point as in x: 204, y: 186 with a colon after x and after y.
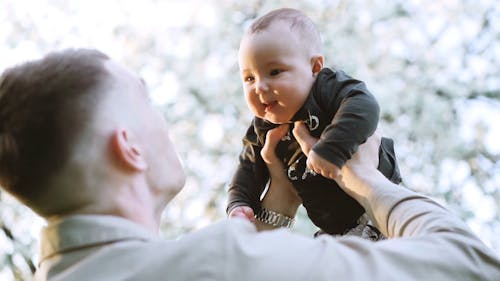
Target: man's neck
x: 132, y: 202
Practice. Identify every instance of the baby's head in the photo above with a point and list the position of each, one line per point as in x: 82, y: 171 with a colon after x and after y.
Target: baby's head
x: 279, y: 58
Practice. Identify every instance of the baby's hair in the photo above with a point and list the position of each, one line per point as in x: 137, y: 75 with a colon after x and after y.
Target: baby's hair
x: 297, y: 20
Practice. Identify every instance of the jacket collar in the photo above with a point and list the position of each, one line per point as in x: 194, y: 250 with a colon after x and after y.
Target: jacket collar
x: 311, y: 106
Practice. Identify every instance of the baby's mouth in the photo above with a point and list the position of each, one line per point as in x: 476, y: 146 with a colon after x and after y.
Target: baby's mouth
x: 269, y: 106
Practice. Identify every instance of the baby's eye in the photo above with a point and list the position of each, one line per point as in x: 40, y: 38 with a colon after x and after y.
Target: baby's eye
x: 248, y: 79
x: 275, y: 72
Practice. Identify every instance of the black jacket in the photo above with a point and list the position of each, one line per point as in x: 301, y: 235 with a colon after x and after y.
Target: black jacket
x: 343, y: 114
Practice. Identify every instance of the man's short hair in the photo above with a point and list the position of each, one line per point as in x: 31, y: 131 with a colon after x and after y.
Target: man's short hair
x: 44, y: 106
x: 298, y: 22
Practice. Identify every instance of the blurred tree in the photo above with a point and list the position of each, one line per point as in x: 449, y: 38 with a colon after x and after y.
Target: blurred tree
x: 433, y: 66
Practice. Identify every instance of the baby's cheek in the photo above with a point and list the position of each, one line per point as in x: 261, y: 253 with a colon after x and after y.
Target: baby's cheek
x: 252, y: 102
x: 257, y: 109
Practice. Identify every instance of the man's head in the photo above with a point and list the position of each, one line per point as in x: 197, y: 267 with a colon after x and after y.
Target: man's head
x: 279, y: 58
x: 75, y: 127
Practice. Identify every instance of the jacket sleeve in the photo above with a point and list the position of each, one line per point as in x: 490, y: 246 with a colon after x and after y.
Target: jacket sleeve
x: 251, y: 175
x: 356, y: 115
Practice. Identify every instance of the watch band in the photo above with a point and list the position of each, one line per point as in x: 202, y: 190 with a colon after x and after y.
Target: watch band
x: 274, y: 218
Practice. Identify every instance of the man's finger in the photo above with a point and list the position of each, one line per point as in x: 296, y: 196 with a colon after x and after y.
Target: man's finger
x: 304, y: 138
x: 273, y: 137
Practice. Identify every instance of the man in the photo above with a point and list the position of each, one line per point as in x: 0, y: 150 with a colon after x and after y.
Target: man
x: 81, y: 146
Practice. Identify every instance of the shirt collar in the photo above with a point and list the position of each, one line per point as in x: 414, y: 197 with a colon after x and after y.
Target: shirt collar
x: 81, y: 231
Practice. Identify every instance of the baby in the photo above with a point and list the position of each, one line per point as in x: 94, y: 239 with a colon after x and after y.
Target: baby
x: 284, y: 81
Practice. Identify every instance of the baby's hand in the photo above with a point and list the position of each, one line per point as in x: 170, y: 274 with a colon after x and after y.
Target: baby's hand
x: 314, y: 161
x: 322, y: 166
x: 243, y: 212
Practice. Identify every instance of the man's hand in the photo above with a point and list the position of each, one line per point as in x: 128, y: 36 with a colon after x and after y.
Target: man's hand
x: 314, y: 162
x: 366, y: 158
x: 281, y: 196
x: 273, y: 137
x: 243, y: 212
x: 275, y: 166
x: 359, y: 176
x: 357, y: 171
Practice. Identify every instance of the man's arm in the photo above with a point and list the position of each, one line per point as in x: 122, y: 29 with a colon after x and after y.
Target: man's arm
x: 426, y: 242
x: 281, y: 196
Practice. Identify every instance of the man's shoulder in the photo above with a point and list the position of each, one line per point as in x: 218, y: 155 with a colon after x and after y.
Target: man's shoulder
x: 201, y: 252
x: 225, y: 227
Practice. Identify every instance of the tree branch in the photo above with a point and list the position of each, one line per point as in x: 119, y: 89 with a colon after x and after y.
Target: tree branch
x: 8, y: 234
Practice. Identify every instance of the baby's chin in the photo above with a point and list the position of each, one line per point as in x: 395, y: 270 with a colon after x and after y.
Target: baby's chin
x: 277, y: 121
x: 273, y: 118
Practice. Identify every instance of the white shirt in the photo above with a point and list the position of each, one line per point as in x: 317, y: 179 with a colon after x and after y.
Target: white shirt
x: 427, y: 243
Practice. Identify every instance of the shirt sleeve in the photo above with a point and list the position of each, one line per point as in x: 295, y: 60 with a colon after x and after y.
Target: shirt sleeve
x: 251, y: 175
x: 426, y: 242
x: 356, y: 114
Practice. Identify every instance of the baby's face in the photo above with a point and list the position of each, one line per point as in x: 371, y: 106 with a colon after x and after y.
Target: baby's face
x: 277, y: 73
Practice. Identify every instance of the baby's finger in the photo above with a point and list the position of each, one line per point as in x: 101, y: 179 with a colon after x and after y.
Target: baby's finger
x: 244, y: 212
x: 249, y: 214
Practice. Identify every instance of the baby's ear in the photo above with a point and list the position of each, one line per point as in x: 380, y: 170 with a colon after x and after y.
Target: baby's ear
x: 317, y: 64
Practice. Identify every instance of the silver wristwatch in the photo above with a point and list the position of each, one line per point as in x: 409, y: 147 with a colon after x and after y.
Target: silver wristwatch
x: 274, y: 218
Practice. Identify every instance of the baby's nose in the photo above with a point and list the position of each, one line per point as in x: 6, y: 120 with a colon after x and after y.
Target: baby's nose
x: 261, y: 87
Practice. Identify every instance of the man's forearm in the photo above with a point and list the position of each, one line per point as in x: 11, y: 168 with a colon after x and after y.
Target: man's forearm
x: 378, y: 196
x: 282, y: 198
x: 397, y: 212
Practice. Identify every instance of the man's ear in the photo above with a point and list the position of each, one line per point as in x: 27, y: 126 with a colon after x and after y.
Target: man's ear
x: 126, y: 152
x: 317, y: 64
